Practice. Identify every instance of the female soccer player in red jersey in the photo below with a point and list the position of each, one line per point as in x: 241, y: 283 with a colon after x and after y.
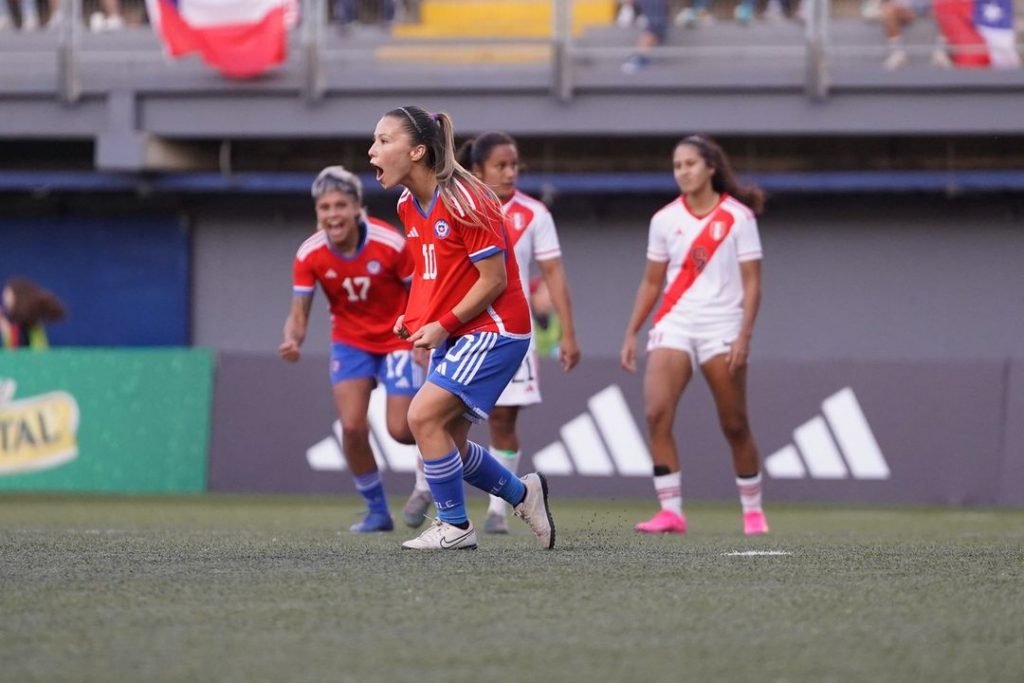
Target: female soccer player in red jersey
x: 467, y: 304
x: 364, y: 269
x: 494, y: 158
x: 705, y: 247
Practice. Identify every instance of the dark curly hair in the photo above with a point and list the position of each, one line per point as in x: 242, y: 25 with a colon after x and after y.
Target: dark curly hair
x: 32, y: 303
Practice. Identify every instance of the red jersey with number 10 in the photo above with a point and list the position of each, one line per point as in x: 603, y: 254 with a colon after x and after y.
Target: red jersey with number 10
x: 445, y: 245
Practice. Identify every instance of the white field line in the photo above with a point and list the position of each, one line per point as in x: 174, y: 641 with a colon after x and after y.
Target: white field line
x: 757, y: 553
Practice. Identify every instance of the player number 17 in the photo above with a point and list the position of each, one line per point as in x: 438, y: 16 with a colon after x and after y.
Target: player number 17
x: 357, y: 287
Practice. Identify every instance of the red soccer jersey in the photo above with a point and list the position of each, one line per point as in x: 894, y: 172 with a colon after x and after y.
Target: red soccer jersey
x: 366, y: 291
x: 444, y: 247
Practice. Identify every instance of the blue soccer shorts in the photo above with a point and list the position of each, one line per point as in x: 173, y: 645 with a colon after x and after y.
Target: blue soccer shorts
x: 477, y: 367
x: 396, y: 370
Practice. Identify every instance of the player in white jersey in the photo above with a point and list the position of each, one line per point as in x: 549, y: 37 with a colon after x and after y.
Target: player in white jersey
x: 704, y: 259
x: 494, y: 158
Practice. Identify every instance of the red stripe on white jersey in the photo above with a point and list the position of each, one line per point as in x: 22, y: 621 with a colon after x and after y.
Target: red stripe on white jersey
x: 719, y: 224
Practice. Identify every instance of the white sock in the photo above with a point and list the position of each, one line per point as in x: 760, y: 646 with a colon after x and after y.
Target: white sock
x: 421, y: 479
x: 510, y: 459
x: 670, y: 492
x: 750, y: 492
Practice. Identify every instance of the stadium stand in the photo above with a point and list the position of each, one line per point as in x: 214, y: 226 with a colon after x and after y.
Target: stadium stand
x: 547, y: 78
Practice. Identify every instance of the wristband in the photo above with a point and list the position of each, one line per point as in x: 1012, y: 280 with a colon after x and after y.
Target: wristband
x: 449, y: 322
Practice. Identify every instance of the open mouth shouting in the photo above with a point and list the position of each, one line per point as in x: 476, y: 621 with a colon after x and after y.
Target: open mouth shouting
x: 379, y: 172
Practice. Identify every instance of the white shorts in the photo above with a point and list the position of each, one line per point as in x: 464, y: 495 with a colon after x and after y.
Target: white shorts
x: 700, y: 348
x: 524, y: 388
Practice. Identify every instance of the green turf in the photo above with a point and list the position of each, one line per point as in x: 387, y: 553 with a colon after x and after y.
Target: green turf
x: 268, y: 589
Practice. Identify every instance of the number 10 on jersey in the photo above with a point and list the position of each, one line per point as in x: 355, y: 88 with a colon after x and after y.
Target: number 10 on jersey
x: 429, y: 262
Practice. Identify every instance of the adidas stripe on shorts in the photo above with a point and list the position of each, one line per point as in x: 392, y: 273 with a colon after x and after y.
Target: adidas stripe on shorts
x: 477, y: 367
x: 397, y: 371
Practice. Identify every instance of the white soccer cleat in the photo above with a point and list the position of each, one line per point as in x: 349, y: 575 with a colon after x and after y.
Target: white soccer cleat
x: 534, y: 509
x: 443, y: 536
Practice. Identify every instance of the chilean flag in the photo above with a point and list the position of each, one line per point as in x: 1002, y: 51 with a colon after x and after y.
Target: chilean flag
x: 241, y: 38
x: 984, y: 27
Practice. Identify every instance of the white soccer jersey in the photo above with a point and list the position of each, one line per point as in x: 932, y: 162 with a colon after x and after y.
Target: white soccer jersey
x: 720, y: 241
x: 531, y: 233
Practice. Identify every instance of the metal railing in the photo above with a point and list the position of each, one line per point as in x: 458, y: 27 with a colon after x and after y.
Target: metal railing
x: 568, y: 58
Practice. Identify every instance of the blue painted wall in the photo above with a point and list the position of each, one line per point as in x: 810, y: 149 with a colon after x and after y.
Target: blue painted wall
x: 124, y: 280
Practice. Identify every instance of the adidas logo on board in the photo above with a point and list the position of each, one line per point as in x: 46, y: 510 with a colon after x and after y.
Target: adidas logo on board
x: 837, y: 445
x: 601, y: 442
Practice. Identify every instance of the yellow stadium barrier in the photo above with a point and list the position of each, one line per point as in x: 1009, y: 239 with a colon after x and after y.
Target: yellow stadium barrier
x: 501, y: 18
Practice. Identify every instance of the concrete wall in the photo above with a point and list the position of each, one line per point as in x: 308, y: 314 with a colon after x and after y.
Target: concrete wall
x: 881, y: 278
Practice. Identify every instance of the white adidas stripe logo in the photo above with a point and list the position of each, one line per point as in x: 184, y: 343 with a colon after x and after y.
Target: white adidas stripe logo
x: 605, y: 440
x: 327, y: 456
x: 582, y: 447
x: 853, y: 452
x: 581, y: 444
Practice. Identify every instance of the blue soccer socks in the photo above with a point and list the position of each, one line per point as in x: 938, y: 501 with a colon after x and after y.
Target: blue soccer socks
x: 484, y: 472
x: 371, y: 488
x: 445, y: 479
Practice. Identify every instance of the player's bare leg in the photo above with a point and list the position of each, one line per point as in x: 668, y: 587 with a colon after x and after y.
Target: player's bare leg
x: 505, y: 448
x: 730, y: 393
x: 398, y: 418
x: 666, y: 377
x: 352, y: 398
x: 416, y: 506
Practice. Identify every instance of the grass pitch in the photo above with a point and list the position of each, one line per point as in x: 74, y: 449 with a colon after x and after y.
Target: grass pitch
x: 225, y: 588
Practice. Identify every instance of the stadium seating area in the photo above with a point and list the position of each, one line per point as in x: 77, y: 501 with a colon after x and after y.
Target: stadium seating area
x: 754, y: 82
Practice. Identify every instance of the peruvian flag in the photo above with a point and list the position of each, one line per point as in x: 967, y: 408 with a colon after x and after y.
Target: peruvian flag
x: 983, y: 27
x: 241, y: 38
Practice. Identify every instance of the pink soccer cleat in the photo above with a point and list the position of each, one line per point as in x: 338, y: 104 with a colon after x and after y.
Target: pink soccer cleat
x: 665, y: 522
x: 755, y: 523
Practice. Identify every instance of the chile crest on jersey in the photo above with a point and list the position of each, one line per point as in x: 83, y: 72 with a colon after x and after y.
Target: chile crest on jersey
x: 442, y: 229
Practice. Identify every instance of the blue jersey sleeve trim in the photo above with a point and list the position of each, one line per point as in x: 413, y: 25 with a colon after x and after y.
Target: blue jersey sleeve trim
x: 484, y: 253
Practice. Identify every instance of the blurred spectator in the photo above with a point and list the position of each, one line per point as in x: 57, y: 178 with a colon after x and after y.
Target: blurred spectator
x: 698, y: 13
x: 55, y: 13
x: 109, y: 17
x: 375, y: 11
x: 22, y: 14
x: 655, y: 26
x: 626, y: 15
x: 100, y: 15
x: 746, y: 10
x: 26, y: 306
x: 895, y: 15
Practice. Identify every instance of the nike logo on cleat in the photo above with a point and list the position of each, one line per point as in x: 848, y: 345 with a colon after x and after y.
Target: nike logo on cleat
x: 445, y: 543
